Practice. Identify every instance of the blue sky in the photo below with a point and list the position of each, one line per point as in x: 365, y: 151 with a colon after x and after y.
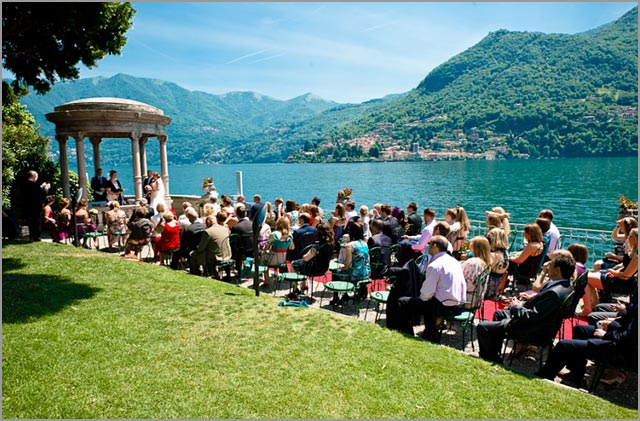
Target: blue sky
x: 346, y: 52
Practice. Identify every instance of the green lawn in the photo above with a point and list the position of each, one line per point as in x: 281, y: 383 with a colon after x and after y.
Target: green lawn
x: 89, y: 335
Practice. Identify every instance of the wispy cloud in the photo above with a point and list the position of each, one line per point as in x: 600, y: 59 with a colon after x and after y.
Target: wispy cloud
x: 246, y: 56
x: 267, y: 58
x: 382, y: 25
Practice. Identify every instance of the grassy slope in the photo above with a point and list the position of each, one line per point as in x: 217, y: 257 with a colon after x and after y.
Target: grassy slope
x: 92, y: 336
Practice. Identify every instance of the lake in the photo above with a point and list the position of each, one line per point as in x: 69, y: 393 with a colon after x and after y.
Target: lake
x: 582, y: 192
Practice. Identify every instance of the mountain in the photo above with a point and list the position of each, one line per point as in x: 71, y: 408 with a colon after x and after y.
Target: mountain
x: 514, y: 94
x: 517, y: 94
x: 203, y: 124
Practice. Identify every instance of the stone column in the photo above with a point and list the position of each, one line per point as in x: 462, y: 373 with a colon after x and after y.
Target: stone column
x: 95, y: 141
x: 135, y: 155
x: 164, y: 165
x: 64, y: 165
x: 143, y: 156
x: 82, y: 167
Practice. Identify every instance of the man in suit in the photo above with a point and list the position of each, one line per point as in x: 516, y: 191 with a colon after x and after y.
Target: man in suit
x: 244, y: 228
x: 391, y: 225
x: 214, y: 246
x: 380, y: 239
x: 257, y: 205
x: 415, y: 222
x: 615, y: 337
x: 303, y: 236
x: 34, y: 195
x: 189, y: 237
x: 147, y: 182
x: 99, y: 186
x: 534, y: 319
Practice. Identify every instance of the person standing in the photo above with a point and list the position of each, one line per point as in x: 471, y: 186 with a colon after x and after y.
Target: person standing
x: 99, y: 186
x: 157, y: 191
x: 114, y: 188
x: 33, y: 203
x: 146, y: 185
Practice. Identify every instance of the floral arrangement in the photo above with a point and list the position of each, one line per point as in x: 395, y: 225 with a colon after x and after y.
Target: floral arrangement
x: 625, y: 202
x: 344, y: 193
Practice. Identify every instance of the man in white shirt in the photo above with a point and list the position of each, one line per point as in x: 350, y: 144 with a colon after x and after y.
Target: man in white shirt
x: 351, y: 210
x: 553, y: 233
x: 420, y: 241
x: 443, y: 291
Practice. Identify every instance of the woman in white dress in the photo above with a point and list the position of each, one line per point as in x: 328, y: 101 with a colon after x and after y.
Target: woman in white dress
x: 157, y: 191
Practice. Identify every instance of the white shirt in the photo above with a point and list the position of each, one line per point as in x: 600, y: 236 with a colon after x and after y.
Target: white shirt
x: 445, y: 281
x: 424, y: 237
x: 554, y: 236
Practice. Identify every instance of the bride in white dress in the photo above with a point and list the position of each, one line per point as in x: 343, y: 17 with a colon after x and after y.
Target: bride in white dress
x: 157, y: 191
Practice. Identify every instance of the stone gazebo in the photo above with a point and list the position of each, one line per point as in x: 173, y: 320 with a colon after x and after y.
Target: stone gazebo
x: 99, y: 118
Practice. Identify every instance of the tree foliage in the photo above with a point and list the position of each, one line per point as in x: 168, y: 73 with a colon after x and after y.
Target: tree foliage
x: 44, y: 42
x: 23, y: 149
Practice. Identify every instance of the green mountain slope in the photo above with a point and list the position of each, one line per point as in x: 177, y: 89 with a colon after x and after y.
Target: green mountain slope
x: 522, y: 94
x: 203, y: 125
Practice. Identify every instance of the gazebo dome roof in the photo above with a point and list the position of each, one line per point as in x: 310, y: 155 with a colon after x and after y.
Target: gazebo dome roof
x: 109, y: 104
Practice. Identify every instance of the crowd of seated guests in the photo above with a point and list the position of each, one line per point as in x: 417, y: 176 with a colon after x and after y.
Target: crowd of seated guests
x: 298, y: 234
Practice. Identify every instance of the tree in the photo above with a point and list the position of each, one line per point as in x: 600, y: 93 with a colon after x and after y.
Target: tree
x: 23, y: 149
x: 44, y: 42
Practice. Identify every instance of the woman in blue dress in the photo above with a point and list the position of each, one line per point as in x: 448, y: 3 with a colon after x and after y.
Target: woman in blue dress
x: 356, y: 258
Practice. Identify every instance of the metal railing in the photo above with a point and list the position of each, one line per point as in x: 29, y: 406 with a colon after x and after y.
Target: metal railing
x: 597, y: 241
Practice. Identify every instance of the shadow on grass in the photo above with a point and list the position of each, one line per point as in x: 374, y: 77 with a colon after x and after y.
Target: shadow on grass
x: 25, y: 297
x: 9, y: 264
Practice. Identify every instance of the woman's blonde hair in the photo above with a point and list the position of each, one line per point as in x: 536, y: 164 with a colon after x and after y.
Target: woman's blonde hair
x: 462, y: 218
x: 481, y: 248
x: 498, y: 239
x: 505, y: 220
x: 208, y: 209
x: 283, y: 225
x: 114, y: 205
x: 168, y: 216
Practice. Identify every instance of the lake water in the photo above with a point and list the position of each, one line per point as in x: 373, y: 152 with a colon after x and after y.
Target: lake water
x: 582, y: 192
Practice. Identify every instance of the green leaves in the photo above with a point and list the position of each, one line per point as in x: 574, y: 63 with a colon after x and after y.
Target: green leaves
x: 44, y: 42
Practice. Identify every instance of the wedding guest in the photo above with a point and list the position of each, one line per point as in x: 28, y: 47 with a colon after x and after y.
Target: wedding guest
x: 502, y: 216
x: 316, y: 201
x: 63, y: 219
x: 84, y: 224
x: 554, y: 233
x: 116, y: 220
x: 621, y: 279
x: 366, y: 221
x: 99, y: 186
x: 114, y: 188
x: 463, y: 230
x: 139, y: 230
x: 48, y: 221
x: 169, y: 239
x: 443, y: 291
x: 499, y: 243
x: 473, y: 267
x: 34, y: 195
x: 415, y: 222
